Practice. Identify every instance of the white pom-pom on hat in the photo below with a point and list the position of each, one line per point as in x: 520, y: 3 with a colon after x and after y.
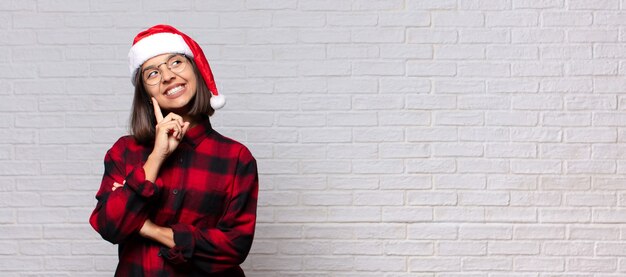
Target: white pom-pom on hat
x: 162, y: 39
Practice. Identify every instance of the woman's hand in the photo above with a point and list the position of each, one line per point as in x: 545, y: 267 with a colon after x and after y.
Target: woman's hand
x: 164, y: 235
x: 169, y: 131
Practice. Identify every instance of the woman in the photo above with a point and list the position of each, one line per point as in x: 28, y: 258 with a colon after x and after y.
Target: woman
x: 179, y: 198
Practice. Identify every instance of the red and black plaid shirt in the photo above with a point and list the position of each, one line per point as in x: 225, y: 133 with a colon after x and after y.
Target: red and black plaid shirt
x: 206, y: 191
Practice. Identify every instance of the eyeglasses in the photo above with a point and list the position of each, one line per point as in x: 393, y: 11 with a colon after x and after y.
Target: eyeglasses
x: 152, y: 75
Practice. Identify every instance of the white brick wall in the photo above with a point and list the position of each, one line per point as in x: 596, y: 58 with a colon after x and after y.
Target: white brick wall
x: 430, y: 138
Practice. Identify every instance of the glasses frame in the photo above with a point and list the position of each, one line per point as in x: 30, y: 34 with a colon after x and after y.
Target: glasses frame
x: 157, y: 67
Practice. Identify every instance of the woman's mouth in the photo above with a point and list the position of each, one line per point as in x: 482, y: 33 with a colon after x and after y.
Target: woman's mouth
x: 175, y: 90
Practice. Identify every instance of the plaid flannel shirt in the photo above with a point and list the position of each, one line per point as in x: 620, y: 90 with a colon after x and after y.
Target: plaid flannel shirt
x: 206, y: 191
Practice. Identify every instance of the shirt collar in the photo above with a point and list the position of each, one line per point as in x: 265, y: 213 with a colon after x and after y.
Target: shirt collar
x: 198, y: 133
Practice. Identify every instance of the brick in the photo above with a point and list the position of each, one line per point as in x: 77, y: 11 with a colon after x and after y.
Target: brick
x: 484, y: 134
x: 416, y: 35
x: 523, y: 134
x: 406, y: 215
x: 405, y: 181
x: 539, y: 232
x: 565, y: 183
x: 408, y: 19
x: 457, y: 150
x: 565, y: 151
x: 351, y: 51
x: 568, y: 248
x: 415, y: 68
x: 354, y: 151
x: 536, y: 167
x: 282, y: 36
x: 464, y: 118
x: 460, y: 181
x: 512, y: 52
x: 511, y: 182
x: 318, y: 199
x: 544, y: 69
x: 357, y: 248
x: 537, y: 4
x: 378, y: 134
x: 556, y: 19
x: 537, y: 35
x: 460, y: 52
x: 513, y: 248
x: 434, y: 264
x: 490, y: 264
x: 483, y: 199
x: 593, y: 264
x: 322, y: 36
x: 309, y: 214
x: 430, y: 166
x: 596, y: 233
x: 394, y: 118
x: 539, y: 264
x: 604, y: 215
x: 482, y: 166
x: 593, y: 5
x: 378, y: 68
x: 484, y: 36
x: 360, y: 5
x: 610, y: 249
x: 385, y: 231
x: 378, y: 167
x: 590, y: 200
x: 596, y: 167
x: 389, y: 264
x: 20, y: 263
x: 592, y: 35
x: 485, y: 231
x: 512, y: 86
x: 327, y: 231
x: 278, y: 167
x: 22, y: 231
x: 511, y: 19
x: 483, y: 103
x: 354, y: 214
x: 459, y: 214
x: 575, y: 215
x: 452, y: 19
x: 590, y: 135
x: 516, y: 150
x: 461, y: 248
x: 539, y: 199
x: 277, y: 263
x: 352, y: 20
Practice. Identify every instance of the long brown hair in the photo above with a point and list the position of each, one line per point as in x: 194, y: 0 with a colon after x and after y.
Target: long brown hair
x: 142, y: 121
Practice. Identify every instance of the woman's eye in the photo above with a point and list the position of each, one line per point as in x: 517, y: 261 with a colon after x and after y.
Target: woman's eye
x: 152, y: 74
x: 175, y: 63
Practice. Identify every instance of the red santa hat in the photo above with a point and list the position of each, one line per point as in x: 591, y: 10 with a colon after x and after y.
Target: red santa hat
x: 162, y: 39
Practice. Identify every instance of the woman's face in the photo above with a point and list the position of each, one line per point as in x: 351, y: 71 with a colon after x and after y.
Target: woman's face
x: 170, y: 79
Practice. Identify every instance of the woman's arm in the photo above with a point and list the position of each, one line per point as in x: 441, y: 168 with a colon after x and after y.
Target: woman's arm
x: 121, y: 210
x: 164, y: 235
x: 226, y: 245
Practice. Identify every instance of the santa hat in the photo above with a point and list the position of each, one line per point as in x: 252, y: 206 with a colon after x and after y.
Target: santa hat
x: 162, y: 39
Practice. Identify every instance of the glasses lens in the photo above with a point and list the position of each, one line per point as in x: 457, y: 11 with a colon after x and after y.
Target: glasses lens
x: 177, y: 63
x: 152, y: 76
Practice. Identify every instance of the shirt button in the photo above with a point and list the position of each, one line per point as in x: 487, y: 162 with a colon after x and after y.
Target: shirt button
x: 175, y: 191
x: 180, y: 160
